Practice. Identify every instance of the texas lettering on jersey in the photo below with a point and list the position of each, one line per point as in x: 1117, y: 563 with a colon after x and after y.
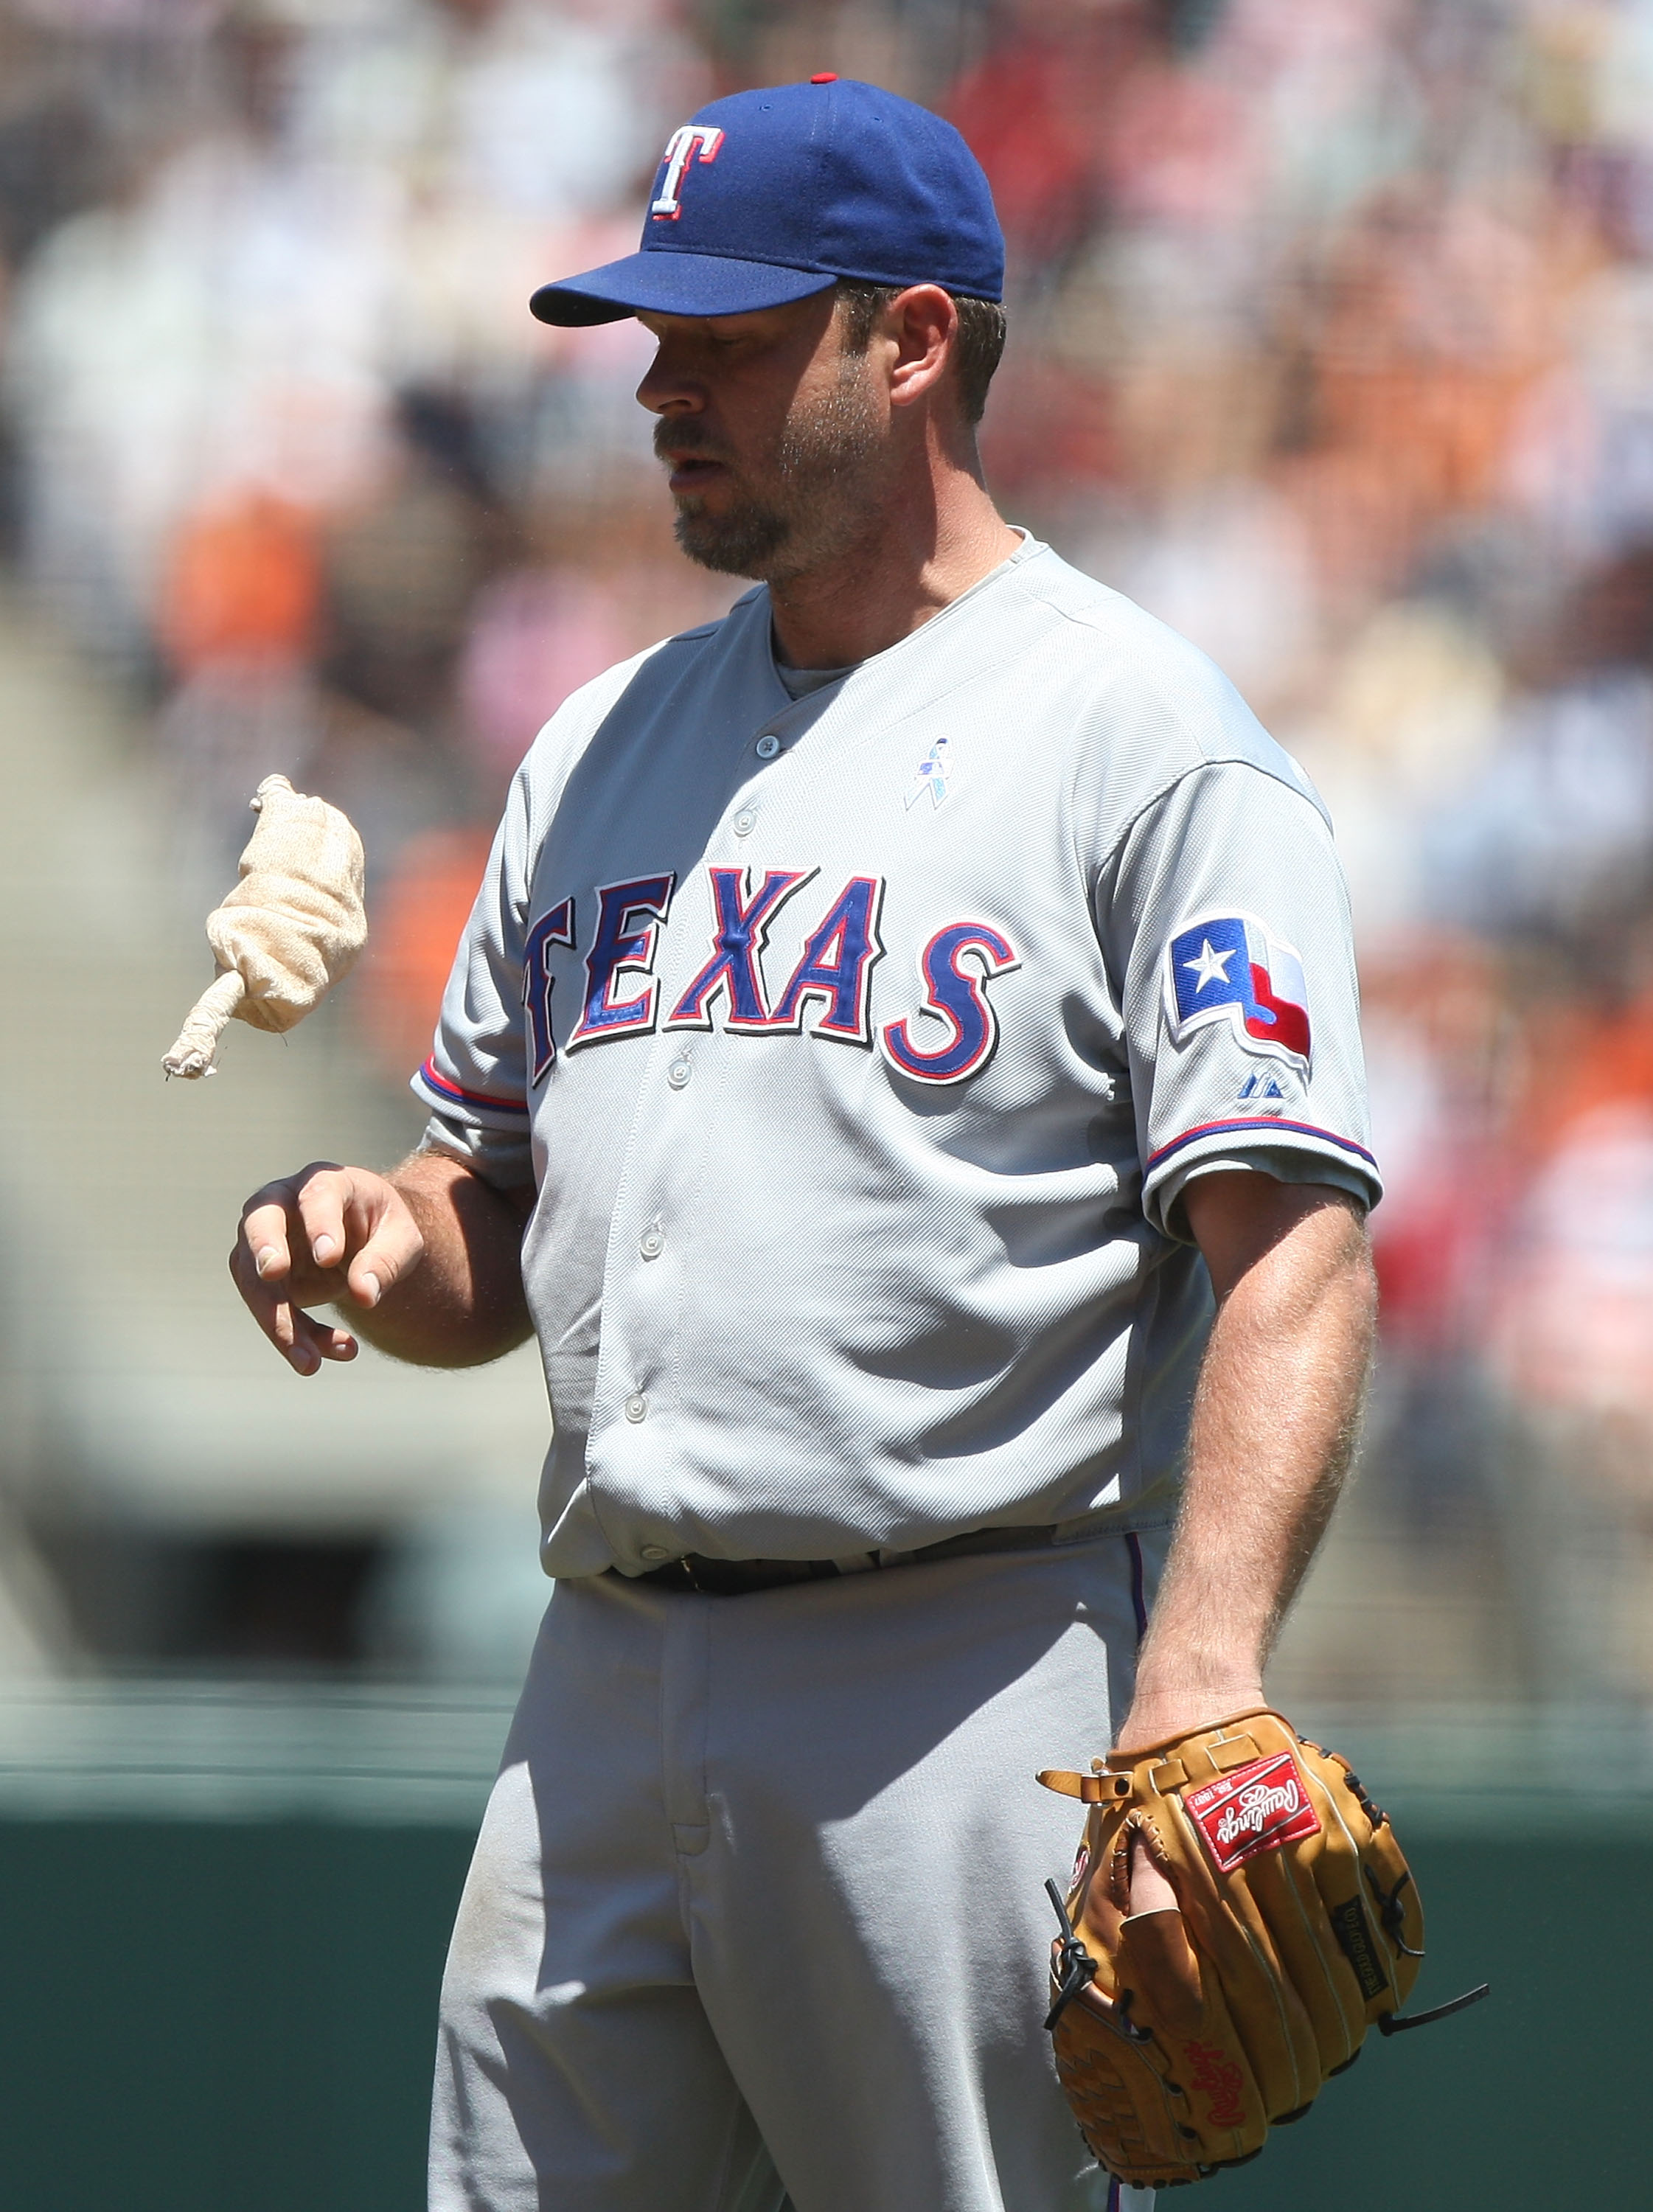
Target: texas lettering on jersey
x: 951, y: 1034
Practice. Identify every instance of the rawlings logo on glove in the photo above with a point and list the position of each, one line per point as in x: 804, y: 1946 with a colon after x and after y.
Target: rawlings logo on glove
x: 1221, y: 2082
x: 1258, y: 1809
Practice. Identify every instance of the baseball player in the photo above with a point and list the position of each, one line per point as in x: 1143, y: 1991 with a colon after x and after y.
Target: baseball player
x: 903, y: 1066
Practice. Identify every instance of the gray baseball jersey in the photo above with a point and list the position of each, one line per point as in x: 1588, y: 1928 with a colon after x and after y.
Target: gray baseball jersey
x: 861, y: 1045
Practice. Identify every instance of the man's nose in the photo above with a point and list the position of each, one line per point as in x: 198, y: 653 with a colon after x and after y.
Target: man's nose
x: 668, y: 388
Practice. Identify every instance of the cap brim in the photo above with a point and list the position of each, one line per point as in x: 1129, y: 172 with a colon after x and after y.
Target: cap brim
x: 664, y: 283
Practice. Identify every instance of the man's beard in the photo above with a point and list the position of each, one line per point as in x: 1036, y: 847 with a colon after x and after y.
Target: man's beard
x: 821, y: 503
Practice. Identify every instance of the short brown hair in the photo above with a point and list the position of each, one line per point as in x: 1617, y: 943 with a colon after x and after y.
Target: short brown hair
x: 981, y: 335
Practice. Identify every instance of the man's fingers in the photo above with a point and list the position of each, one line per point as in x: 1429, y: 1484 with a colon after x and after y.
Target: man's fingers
x: 1150, y: 1891
x: 263, y: 1232
x: 393, y: 1251
x: 278, y: 1316
x: 303, y: 1341
x: 279, y: 1222
x: 306, y: 1342
x: 322, y: 1199
x: 295, y: 1227
x: 297, y: 1234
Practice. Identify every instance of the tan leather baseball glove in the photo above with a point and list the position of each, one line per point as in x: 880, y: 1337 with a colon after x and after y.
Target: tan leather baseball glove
x: 1183, y: 2035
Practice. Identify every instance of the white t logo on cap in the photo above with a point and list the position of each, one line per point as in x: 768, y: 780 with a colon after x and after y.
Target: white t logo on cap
x: 679, y: 152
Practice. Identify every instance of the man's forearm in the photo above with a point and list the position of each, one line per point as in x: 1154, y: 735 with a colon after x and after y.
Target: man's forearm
x: 1273, y: 1428
x: 464, y: 1304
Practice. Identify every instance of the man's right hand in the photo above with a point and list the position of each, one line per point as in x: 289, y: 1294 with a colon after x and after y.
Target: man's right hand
x: 325, y: 1235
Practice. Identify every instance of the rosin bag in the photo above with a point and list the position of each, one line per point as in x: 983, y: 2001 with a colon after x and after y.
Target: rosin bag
x: 1182, y: 2035
x: 292, y: 925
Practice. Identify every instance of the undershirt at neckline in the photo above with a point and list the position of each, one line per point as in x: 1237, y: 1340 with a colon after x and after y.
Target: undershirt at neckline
x: 800, y: 682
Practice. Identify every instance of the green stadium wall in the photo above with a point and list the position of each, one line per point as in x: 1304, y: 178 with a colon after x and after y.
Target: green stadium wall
x: 237, y: 2016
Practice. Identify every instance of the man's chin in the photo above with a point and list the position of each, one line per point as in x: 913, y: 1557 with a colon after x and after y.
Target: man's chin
x: 730, y: 544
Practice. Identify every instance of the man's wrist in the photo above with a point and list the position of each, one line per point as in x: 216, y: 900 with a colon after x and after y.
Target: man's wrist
x: 1160, y: 1711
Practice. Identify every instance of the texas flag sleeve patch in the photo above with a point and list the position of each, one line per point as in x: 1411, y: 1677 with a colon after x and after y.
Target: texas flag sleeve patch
x: 1231, y: 968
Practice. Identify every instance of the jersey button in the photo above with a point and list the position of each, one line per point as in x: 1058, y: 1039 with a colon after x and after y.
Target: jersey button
x: 653, y: 1551
x: 745, y: 822
x: 768, y: 745
x: 636, y: 1406
x: 677, y: 1074
x: 651, y: 1243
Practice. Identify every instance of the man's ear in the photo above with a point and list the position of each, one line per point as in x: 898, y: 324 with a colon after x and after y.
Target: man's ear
x: 923, y: 323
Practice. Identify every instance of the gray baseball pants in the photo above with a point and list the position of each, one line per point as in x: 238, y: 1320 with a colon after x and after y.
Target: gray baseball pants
x: 756, y: 1920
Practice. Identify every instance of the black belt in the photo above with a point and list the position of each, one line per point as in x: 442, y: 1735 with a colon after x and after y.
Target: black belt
x: 709, y: 1577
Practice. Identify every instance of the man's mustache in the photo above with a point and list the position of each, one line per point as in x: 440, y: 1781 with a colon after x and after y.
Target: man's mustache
x: 672, y: 438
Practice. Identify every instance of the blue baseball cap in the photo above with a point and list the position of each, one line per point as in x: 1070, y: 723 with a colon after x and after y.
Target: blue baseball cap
x: 766, y: 196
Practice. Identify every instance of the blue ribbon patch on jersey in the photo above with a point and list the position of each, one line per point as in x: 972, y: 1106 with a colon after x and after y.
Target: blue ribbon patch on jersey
x: 1230, y: 969
x: 930, y: 781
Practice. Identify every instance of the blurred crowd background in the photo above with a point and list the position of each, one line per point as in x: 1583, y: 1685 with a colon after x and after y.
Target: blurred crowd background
x: 1331, y: 343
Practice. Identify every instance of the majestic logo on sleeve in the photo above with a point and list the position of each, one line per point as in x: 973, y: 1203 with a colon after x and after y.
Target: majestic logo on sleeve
x: 1258, y: 1808
x: 688, y: 140
x: 1231, y: 968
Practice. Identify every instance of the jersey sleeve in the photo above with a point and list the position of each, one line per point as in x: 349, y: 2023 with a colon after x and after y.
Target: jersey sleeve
x: 475, y: 1080
x: 1224, y: 921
